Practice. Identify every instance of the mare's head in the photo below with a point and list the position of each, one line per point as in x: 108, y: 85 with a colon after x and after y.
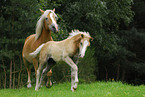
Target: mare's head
x: 50, y: 20
x: 47, y: 20
x: 84, y: 41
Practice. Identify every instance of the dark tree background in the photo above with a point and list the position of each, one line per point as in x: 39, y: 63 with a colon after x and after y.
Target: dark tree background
x: 117, y: 26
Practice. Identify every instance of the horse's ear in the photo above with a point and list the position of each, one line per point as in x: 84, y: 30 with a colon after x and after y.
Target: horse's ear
x: 82, y: 35
x: 54, y: 10
x: 91, y: 38
x: 41, y: 11
x: 78, y: 38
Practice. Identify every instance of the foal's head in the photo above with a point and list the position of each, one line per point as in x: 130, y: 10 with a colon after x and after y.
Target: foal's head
x: 84, y: 41
x: 50, y: 20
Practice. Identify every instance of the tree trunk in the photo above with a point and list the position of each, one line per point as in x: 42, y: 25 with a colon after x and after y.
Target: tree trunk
x: 10, y: 75
x: 19, y: 76
x: 123, y: 74
x: 106, y: 73
x: 0, y: 80
x: 14, y: 75
x: 5, y: 74
x: 118, y: 71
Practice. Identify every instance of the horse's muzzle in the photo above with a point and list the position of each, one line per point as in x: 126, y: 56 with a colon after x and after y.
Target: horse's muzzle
x: 54, y: 28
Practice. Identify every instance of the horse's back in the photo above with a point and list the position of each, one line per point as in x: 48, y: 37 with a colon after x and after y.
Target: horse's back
x: 56, y: 50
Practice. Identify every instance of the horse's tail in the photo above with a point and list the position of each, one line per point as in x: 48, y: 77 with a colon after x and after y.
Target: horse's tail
x: 36, y: 52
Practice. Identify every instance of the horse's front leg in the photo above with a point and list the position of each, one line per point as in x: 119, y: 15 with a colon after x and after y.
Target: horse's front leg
x: 74, y: 73
x: 74, y: 79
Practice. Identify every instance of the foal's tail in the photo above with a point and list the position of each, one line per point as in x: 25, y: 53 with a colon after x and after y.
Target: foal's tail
x: 36, y: 52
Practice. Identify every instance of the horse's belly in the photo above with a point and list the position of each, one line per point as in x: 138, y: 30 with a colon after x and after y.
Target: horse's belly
x: 59, y: 56
x: 56, y: 58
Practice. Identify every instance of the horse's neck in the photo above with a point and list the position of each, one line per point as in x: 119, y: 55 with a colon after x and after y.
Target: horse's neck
x: 45, y: 35
x: 43, y: 38
x: 73, y: 44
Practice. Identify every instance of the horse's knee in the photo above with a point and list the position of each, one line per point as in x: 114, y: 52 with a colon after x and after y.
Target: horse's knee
x: 75, y: 68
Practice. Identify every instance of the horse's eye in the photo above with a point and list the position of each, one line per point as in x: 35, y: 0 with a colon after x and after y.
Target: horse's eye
x: 81, y: 43
x: 46, y: 18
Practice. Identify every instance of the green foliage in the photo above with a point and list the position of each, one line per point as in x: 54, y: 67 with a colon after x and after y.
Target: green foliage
x: 100, y: 15
x: 15, y: 16
x: 87, y: 67
x: 133, y: 41
x: 17, y: 21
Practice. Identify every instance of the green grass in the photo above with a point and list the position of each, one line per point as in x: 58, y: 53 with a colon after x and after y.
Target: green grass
x: 97, y: 89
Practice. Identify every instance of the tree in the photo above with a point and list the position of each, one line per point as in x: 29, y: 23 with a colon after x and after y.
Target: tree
x: 18, y: 20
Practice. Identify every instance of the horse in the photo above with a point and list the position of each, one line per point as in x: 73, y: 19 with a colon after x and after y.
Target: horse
x: 62, y: 51
x: 46, y: 24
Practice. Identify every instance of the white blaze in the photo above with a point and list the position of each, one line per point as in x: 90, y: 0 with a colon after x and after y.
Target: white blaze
x: 83, y: 48
x: 53, y: 21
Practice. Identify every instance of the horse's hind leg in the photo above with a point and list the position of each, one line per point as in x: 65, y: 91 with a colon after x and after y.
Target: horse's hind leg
x: 51, y: 63
x: 49, y: 83
x: 28, y: 71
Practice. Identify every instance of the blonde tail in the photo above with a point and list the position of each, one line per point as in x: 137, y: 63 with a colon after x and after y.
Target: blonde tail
x: 36, y: 52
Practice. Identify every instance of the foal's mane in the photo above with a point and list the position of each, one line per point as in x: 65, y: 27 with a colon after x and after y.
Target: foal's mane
x: 76, y: 32
x: 40, y: 24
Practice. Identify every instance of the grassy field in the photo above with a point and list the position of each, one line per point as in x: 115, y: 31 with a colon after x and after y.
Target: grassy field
x: 97, y: 89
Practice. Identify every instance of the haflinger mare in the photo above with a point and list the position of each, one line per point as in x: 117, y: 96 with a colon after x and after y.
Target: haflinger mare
x: 58, y: 51
x: 45, y: 25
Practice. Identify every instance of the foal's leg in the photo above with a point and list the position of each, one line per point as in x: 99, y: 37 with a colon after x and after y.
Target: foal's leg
x: 43, y: 74
x: 38, y: 77
x: 74, y: 72
x: 29, y: 72
x: 46, y: 69
x: 74, y: 79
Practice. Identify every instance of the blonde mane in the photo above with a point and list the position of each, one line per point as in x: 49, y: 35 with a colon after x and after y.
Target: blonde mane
x: 39, y: 24
x: 76, y: 32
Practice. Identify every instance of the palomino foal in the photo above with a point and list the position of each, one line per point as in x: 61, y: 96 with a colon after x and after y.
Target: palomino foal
x: 45, y: 25
x: 56, y: 51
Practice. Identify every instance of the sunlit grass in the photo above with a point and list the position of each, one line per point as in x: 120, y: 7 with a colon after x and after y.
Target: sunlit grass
x: 97, y: 89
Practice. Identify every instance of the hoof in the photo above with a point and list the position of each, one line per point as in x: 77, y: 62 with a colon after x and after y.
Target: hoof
x: 36, y: 89
x: 29, y: 85
x: 48, y: 86
x: 73, y: 89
